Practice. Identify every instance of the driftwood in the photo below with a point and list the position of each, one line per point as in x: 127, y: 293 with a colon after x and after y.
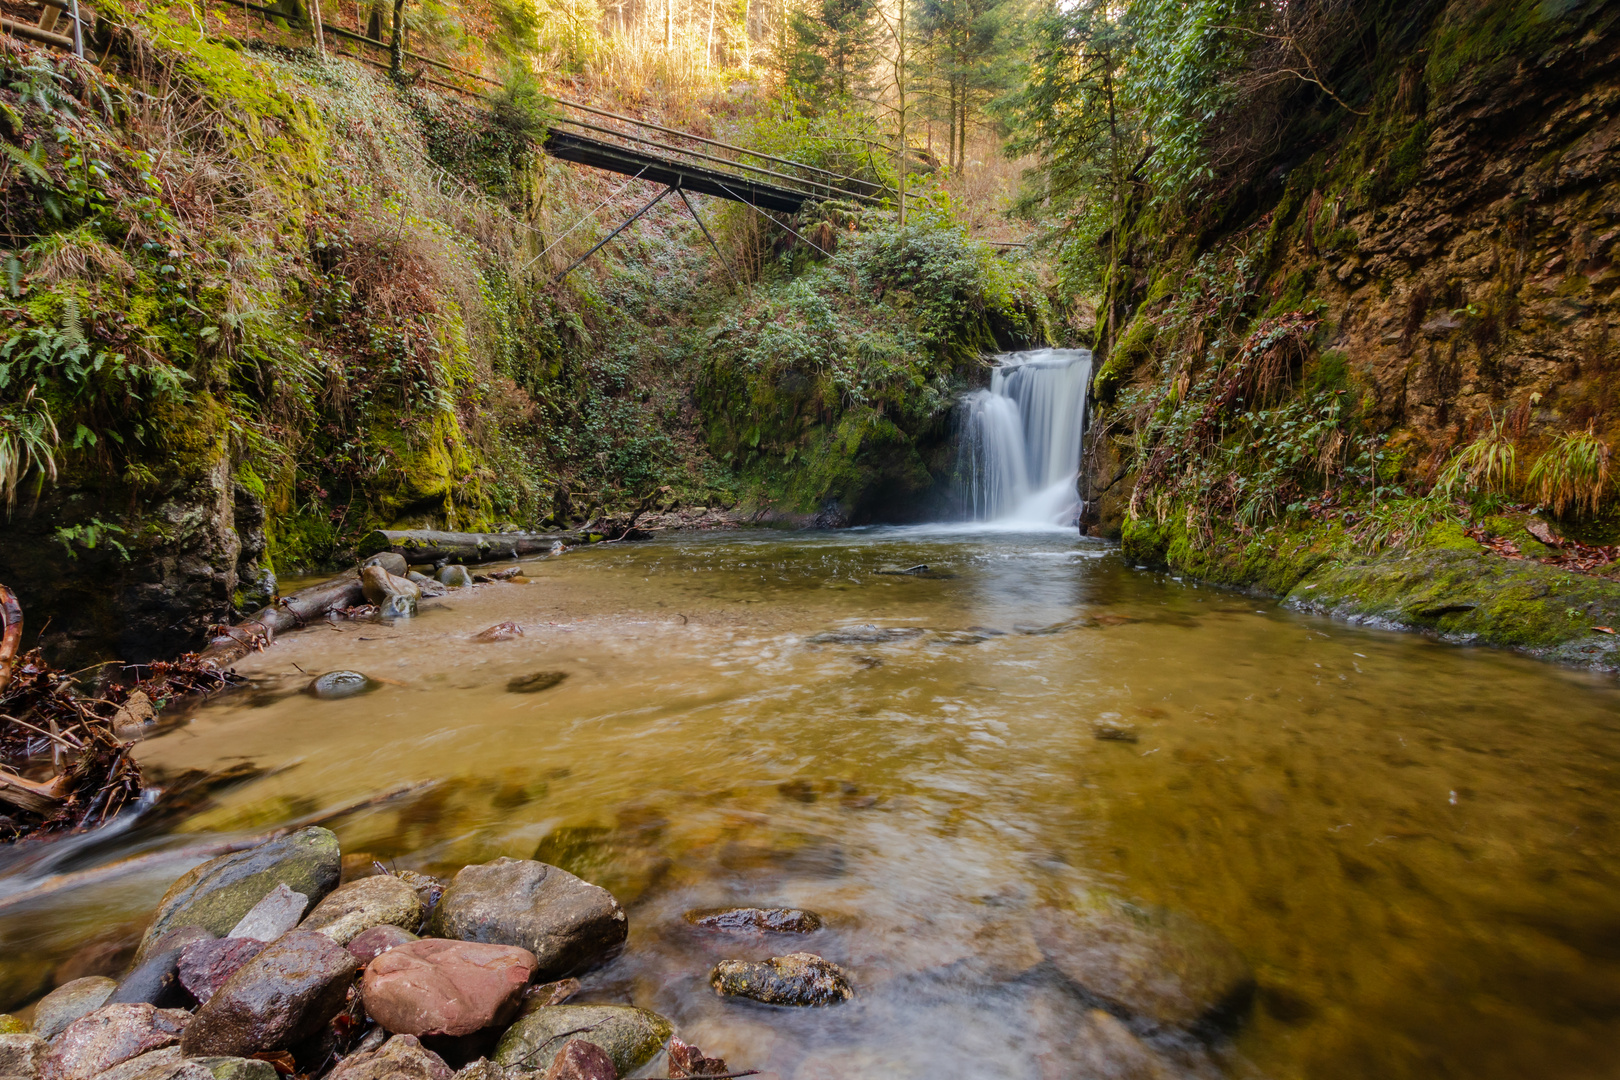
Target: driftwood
x: 230, y: 643
x: 429, y: 545
x: 10, y: 633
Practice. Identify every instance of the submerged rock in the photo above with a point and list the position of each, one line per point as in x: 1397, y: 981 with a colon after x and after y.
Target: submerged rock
x: 59, y: 1008
x: 455, y: 577
x: 437, y: 987
x: 337, y: 685
x: 99, y: 1040
x: 505, y: 631
x: 865, y: 635
x: 631, y: 1036
x: 794, y: 979
x: 360, y: 905
x: 279, y: 998
x: 1162, y: 967
x: 753, y: 919
x: 206, y: 965
x: 218, y: 893
x: 568, y: 924
x: 402, y: 1057
x: 533, y: 684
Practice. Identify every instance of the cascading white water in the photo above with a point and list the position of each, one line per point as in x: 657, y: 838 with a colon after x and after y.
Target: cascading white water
x: 1021, y: 443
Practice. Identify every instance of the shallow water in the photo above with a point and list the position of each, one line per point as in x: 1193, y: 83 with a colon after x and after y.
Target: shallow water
x: 1410, y: 843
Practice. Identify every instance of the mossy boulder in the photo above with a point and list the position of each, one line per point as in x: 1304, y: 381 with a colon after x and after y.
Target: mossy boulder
x: 631, y: 1036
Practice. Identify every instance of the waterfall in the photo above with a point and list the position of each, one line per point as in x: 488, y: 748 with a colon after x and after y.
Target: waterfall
x: 1021, y: 444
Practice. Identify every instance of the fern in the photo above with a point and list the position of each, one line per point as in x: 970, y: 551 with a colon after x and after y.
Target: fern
x: 30, y: 162
x: 72, y: 323
x: 28, y: 442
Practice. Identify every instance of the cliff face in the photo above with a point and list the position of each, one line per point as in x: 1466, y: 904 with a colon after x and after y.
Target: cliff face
x: 1434, y: 271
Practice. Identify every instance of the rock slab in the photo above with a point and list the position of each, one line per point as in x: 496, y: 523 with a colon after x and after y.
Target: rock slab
x: 568, y: 924
x: 273, y: 916
x: 438, y: 987
x: 276, y: 1000
x: 400, y: 1058
x: 794, y: 979
x: 383, y: 900
x: 631, y: 1036
x: 59, y: 1008
x: 109, y: 1036
x: 206, y: 965
x: 218, y: 893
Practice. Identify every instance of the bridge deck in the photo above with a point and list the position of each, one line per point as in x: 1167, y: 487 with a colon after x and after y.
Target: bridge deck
x: 584, y: 150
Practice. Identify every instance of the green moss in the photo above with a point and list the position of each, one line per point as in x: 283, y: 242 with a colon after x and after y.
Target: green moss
x: 1134, y: 347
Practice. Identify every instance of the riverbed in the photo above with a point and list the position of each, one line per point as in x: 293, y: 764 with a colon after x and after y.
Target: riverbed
x: 1409, y: 842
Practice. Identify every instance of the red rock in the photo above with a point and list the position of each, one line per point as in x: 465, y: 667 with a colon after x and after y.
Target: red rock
x: 275, y: 1001
x: 95, y: 1043
x: 400, y: 1058
x: 438, y: 987
x: 687, y: 1060
x: 205, y: 965
x: 581, y: 1060
x: 369, y: 944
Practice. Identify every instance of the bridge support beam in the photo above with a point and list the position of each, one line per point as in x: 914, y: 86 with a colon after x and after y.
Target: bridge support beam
x: 631, y: 220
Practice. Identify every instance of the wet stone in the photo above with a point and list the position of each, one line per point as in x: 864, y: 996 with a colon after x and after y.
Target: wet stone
x: 236, y: 1068
x: 437, y: 987
x: 383, y: 900
x: 568, y: 924
x: 273, y: 916
x: 59, y: 1008
x: 402, y: 1057
x: 533, y: 684
x: 279, y: 998
x: 686, y: 1060
x: 337, y: 685
x: 206, y: 965
x: 112, y: 1034
x: 631, y: 1036
x: 582, y: 1060
x: 393, y: 595
x: 21, y: 1054
x: 753, y: 920
x: 865, y: 635
x: 156, y: 980
x: 165, y: 1064
x: 391, y: 561
x: 455, y: 577
x: 372, y: 943
x: 795, y: 979
x: 506, y: 631
x: 218, y: 893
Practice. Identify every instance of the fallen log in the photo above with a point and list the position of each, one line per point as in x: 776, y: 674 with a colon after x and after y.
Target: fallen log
x: 230, y: 643
x: 10, y: 633
x: 430, y: 546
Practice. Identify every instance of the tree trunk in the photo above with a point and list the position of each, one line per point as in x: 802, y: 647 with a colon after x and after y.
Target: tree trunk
x: 289, y: 613
x: 669, y: 25
x: 318, y: 30
x: 396, y: 43
x: 708, y: 52
x: 429, y: 545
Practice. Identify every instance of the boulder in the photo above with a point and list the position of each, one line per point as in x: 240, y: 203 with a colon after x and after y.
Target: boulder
x: 753, y: 919
x: 206, y: 965
x: 582, y: 1060
x: 383, y: 900
x: 568, y: 924
x: 22, y: 1054
x: 218, y: 893
x: 112, y: 1034
x: 437, y: 987
x: 794, y: 979
x: 279, y: 998
x: 400, y: 1058
x: 337, y: 685
x: 273, y: 916
x: 59, y: 1008
x: 1163, y: 968
x: 369, y: 944
x: 631, y: 1036
x: 235, y: 1068
x: 391, y: 561
x: 392, y: 594
x: 165, y: 1064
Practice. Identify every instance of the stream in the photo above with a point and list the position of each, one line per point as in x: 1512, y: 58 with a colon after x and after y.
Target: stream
x: 1409, y: 843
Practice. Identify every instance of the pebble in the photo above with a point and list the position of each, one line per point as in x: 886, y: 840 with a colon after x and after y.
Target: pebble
x: 436, y: 987
x: 276, y: 1000
x: 794, y: 979
x: 753, y: 919
x: 59, y: 1008
x: 568, y: 924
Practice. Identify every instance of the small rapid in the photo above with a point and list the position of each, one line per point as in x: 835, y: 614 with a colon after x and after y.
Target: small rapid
x: 1021, y: 440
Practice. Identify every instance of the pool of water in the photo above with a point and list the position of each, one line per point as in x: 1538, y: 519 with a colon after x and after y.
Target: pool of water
x: 1410, y: 843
